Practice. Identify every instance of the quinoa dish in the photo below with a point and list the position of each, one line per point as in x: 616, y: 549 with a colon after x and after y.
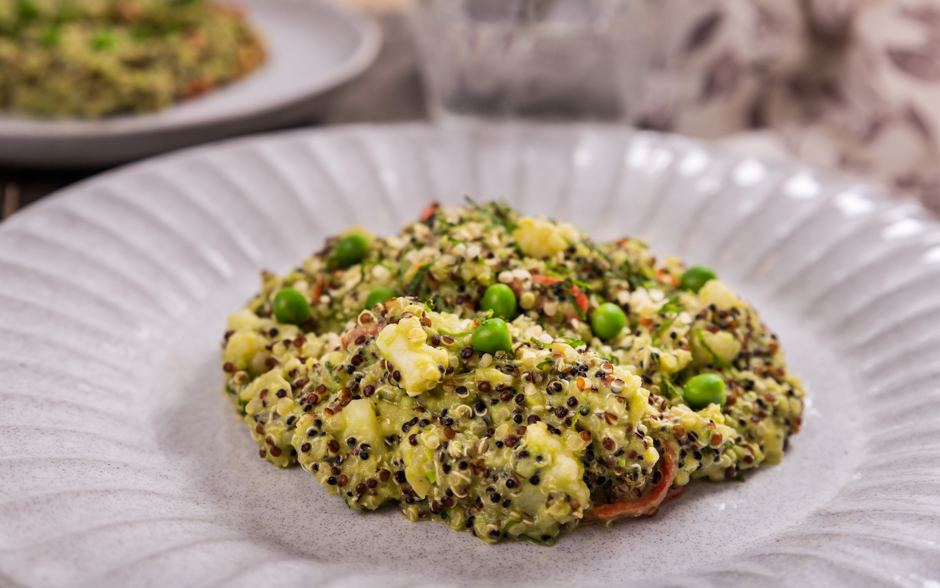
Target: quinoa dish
x: 506, y: 375
x: 98, y: 58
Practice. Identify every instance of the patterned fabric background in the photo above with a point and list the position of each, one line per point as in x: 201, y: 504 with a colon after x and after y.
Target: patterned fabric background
x: 846, y: 84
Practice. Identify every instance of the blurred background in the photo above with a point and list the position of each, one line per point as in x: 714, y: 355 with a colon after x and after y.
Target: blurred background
x: 851, y: 85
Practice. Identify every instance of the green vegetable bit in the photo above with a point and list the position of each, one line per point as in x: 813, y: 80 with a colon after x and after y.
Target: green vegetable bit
x: 607, y: 321
x: 27, y: 9
x: 697, y: 276
x: 350, y: 250
x: 378, y: 296
x: 290, y: 307
x: 492, y: 336
x: 704, y: 389
x: 501, y: 300
x: 102, y: 40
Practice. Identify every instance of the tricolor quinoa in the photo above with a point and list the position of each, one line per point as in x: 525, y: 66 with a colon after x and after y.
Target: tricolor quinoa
x: 613, y: 382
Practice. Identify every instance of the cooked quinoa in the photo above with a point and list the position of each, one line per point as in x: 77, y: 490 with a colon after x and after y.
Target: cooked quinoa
x: 97, y: 58
x: 409, y: 401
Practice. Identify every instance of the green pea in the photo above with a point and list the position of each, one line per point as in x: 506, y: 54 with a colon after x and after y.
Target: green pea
x: 697, y: 276
x: 704, y: 389
x: 290, y: 307
x: 350, y: 250
x: 492, y: 336
x: 608, y: 320
x: 379, y: 296
x: 501, y: 300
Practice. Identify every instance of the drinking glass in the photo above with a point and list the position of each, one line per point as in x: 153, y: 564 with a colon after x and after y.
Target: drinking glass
x: 536, y: 59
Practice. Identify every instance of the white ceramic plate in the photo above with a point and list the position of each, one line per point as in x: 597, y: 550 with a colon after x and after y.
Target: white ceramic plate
x: 313, y: 45
x: 122, y: 464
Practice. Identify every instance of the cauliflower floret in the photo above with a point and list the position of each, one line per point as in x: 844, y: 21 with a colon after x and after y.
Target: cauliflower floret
x: 421, y: 366
x: 241, y: 349
x: 243, y: 320
x: 723, y: 344
x: 360, y: 423
x: 540, y: 237
x: 561, y: 473
x: 714, y: 292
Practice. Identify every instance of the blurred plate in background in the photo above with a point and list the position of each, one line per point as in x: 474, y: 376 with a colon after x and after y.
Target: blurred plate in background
x: 313, y: 46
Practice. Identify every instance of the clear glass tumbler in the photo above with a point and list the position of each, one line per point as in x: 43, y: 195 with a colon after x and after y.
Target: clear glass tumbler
x: 537, y: 59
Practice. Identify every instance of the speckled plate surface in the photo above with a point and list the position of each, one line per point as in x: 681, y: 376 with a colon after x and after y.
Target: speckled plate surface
x: 122, y: 465
x: 313, y: 46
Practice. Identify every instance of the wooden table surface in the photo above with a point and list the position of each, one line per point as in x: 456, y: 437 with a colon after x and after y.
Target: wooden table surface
x: 389, y: 91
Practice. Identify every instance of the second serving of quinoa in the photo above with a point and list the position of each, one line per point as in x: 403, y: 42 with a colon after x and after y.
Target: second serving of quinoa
x: 97, y: 58
x: 507, y: 375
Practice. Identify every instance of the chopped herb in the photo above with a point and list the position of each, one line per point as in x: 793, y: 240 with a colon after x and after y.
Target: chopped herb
x: 670, y: 307
x: 635, y: 280
x: 717, y: 360
x: 455, y: 335
x: 610, y: 357
x: 417, y: 285
x: 669, y: 388
x: 498, y: 214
